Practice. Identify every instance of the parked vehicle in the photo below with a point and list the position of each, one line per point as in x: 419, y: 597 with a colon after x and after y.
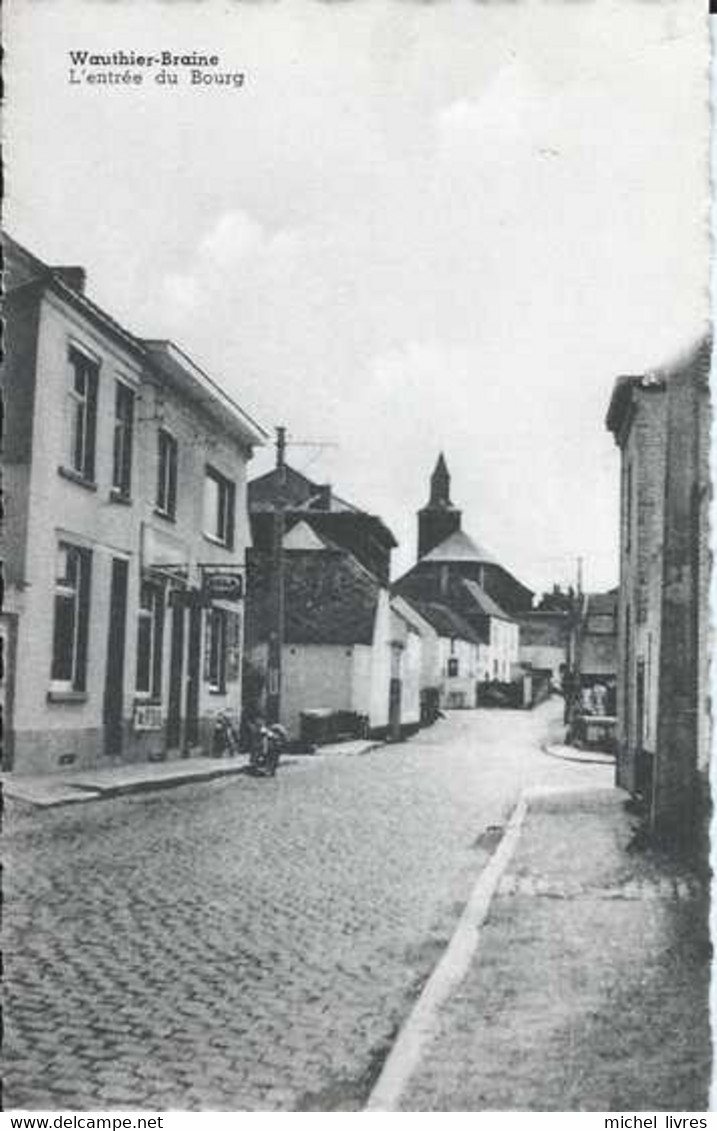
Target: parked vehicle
x: 267, y: 745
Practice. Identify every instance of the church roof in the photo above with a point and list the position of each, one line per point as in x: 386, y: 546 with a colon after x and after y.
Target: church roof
x: 458, y: 547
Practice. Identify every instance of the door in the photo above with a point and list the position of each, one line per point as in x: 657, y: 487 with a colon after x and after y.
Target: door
x: 114, y: 674
x: 8, y: 646
x: 176, y: 665
x: 191, y: 734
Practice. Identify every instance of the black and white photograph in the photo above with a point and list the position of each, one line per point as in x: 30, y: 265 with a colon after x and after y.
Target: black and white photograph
x: 356, y: 554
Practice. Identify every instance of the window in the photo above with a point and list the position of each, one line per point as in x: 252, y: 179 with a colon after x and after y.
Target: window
x: 72, y: 608
x: 150, y: 631
x: 453, y: 666
x: 215, y: 654
x: 124, y: 427
x: 167, y: 474
x: 218, y: 508
x: 82, y: 407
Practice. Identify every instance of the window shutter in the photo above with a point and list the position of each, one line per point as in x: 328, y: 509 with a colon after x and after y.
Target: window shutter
x: 233, y: 647
x: 208, y: 646
x: 231, y: 493
x: 158, y: 643
x: 91, y: 378
x: 83, y: 618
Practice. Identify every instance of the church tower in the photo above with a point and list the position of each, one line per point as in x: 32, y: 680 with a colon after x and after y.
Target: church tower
x: 439, y: 518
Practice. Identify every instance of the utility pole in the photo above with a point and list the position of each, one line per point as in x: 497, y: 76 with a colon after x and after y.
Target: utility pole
x: 277, y: 603
x: 278, y: 574
x: 577, y: 649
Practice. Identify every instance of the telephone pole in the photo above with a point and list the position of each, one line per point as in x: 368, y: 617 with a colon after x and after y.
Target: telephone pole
x: 277, y: 602
x: 277, y: 605
x: 576, y: 633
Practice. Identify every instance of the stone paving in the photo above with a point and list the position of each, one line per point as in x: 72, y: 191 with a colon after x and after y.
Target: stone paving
x: 249, y: 944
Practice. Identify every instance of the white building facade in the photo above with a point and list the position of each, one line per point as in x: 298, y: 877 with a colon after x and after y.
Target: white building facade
x: 125, y: 541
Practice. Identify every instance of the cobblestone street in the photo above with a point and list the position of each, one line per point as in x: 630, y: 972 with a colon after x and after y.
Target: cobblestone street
x: 251, y: 944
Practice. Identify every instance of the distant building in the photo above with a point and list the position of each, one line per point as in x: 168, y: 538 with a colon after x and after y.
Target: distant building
x: 545, y: 641
x: 446, y: 552
x: 456, y: 585
x: 345, y: 649
x: 124, y: 534
x: 598, y: 638
x: 661, y: 423
x: 456, y: 666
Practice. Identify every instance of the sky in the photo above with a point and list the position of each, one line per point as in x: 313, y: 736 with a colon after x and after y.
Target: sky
x: 416, y: 227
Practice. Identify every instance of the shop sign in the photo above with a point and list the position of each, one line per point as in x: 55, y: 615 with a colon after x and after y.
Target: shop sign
x: 148, y: 716
x: 221, y: 586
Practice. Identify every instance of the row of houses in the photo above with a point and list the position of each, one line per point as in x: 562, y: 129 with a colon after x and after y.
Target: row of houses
x: 140, y: 564
x: 382, y: 656
x: 661, y: 424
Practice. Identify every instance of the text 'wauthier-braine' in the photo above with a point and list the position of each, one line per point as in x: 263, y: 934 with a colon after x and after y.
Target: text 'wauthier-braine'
x: 136, y: 59
x: 97, y: 69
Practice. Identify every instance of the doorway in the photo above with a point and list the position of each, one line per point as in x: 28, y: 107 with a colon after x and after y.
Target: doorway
x: 114, y: 673
x: 191, y: 733
x: 176, y: 667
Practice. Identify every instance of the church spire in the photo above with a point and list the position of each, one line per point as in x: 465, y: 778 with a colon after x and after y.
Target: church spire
x: 439, y: 518
x: 440, y: 485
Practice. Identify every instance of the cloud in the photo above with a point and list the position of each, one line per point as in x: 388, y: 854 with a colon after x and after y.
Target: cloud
x: 234, y: 237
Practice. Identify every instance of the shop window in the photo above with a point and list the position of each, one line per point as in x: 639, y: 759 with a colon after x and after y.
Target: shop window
x: 82, y: 411
x: 167, y: 473
x: 123, y: 440
x: 71, y: 619
x: 218, y: 508
x: 150, y: 633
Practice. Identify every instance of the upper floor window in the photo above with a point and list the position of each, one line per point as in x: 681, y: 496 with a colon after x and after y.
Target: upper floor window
x: 82, y: 396
x: 124, y: 428
x: 166, y: 473
x: 218, y: 508
x: 452, y: 666
x: 71, y: 622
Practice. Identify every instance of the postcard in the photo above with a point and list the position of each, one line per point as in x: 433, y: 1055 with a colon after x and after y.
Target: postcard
x: 356, y: 631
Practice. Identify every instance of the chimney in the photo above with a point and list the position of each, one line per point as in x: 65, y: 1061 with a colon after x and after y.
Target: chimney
x: 322, y: 501
x: 73, y: 277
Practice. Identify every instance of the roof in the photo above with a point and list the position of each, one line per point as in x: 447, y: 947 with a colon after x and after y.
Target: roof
x: 300, y: 493
x: 329, y: 598
x: 408, y: 609
x: 446, y: 621
x: 164, y: 357
x: 174, y: 364
x: 458, y: 547
x: 604, y: 604
x: 621, y: 398
x: 485, y: 603
x: 41, y: 276
x: 303, y: 496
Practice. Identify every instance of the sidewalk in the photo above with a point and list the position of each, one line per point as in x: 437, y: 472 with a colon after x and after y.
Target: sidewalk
x: 575, y: 754
x: 588, y: 988
x: 70, y: 787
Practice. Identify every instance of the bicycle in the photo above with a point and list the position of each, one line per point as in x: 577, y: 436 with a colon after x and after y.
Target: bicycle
x: 226, y: 736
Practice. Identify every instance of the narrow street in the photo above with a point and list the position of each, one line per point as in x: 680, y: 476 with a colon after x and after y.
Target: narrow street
x: 251, y: 944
